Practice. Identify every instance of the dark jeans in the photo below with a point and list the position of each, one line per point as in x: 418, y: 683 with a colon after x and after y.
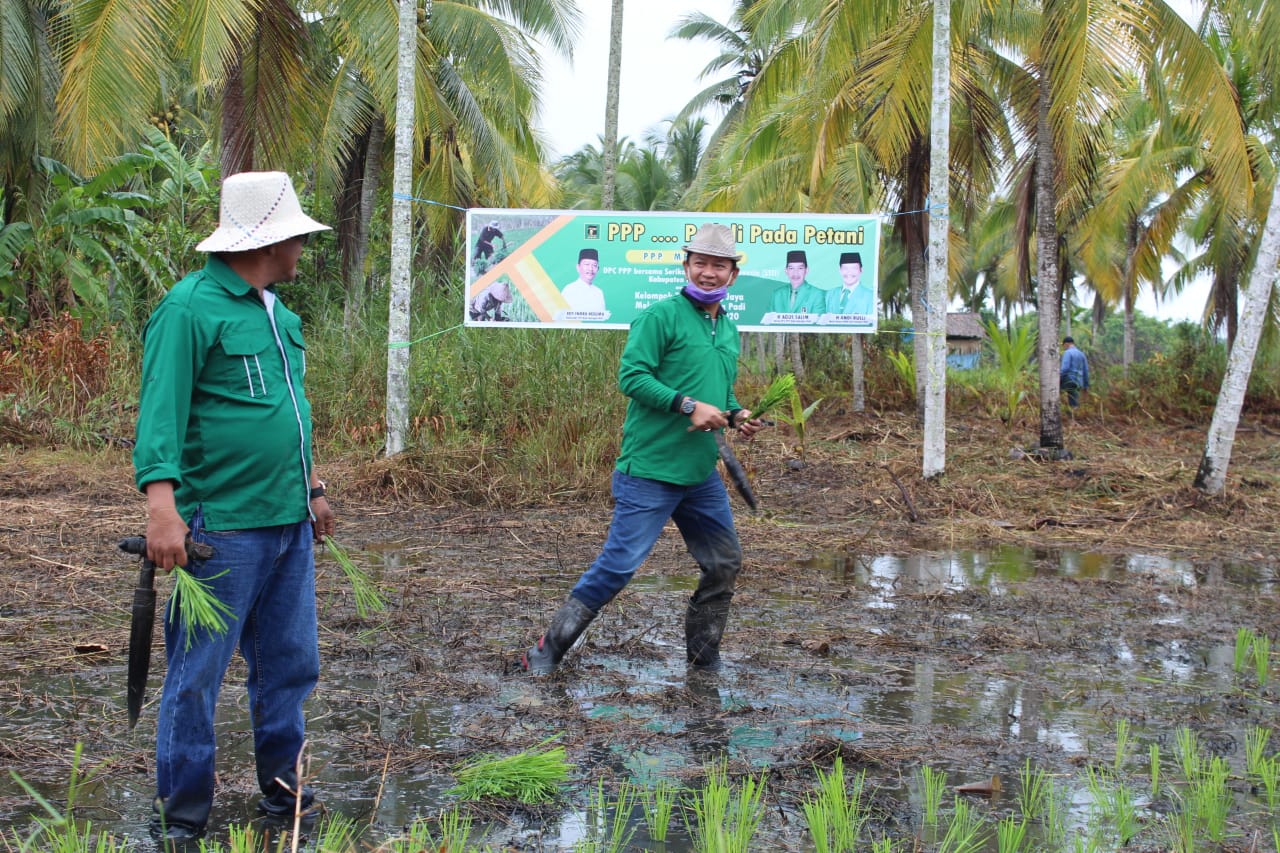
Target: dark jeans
x: 266, y: 576
x: 642, y: 507
x: 1072, y: 390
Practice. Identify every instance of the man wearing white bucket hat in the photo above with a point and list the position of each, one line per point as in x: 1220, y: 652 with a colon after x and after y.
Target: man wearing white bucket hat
x: 677, y: 369
x: 223, y: 455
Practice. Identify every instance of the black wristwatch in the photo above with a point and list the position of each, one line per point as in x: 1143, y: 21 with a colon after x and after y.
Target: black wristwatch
x: 687, y: 405
x: 317, y: 491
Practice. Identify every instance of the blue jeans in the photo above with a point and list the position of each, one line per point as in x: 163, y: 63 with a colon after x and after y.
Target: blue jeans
x: 641, y: 510
x: 268, y: 581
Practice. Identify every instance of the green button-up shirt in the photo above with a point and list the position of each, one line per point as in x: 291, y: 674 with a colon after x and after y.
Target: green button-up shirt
x: 222, y: 411
x: 674, y: 348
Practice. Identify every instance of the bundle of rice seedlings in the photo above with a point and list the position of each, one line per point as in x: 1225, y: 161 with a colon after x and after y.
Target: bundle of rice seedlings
x: 368, y: 597
x: 778, y: 392
x: 194, y: 602
x: 529, y: 777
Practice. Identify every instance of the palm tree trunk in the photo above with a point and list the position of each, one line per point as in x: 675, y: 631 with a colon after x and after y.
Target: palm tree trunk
x: 402, y: 232
x: 859, y: 375
x: 612, y: 96
x: 1048, y: 282
x: 1211, y: 477
x: 935, y: 404
x: 1130, y: 285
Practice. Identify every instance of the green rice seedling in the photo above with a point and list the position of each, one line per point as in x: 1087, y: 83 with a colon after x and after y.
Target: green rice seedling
x: 529, y: 777
x: 1262, y: 658
x: 1269, y: 778
x: 778, y: 392
x: 1188, y: 753
x: 1153, y: 762
x: 725, y: 819
x: 607, y: 834
x: 336, y: 833
x: 451, y: 835
x: 884, y: 845
x: 369, y: 598
x: 1180, y: 829
x: 1255, y: 748
x: 1244, y: 648
x: 658, y: 802
x: 1011, y: 835
x: 1113, y: 804
x: 836, y: 815
x: 195, y: 604
x: 965, y: 832
x: 1210, y: 799
x: 932, y: 784
x: 1056, y: 812
x: 1033, y: 791
x: 1122, y: 744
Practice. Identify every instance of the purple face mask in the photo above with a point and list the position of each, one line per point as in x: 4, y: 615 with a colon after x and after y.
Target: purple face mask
x: 705, y: 297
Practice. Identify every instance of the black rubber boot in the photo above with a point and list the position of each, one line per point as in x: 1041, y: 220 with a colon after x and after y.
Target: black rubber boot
x: 703, y: 628
x: 566, y: 626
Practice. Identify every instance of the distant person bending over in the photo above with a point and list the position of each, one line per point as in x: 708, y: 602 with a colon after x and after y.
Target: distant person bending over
x: 487, y: 304
x: 1073, y: 375
x: 678, y: 370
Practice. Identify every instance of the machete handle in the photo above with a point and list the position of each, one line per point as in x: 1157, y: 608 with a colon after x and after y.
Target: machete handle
x: 138, y: 545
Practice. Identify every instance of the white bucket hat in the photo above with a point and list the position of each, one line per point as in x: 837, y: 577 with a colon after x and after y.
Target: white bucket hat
x: 258, y: 209
x: 715, y: 240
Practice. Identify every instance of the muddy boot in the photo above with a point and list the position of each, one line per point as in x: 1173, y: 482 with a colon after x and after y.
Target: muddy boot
x: 703, y: 628
x: 567, y: 625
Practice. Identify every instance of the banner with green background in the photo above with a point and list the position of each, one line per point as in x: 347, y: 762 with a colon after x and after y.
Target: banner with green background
x: 600, y: 269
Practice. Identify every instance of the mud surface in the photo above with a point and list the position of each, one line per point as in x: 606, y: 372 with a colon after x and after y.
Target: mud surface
x: 1030, y: 609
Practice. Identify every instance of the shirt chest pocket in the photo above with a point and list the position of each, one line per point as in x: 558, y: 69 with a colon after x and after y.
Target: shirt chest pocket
x: 249, y: 366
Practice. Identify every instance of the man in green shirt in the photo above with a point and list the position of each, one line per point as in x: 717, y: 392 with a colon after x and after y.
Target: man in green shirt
x: 223, y: 455
x: 678, y: 369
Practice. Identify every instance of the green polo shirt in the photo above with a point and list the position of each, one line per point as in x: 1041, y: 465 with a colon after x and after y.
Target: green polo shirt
x: 674, y: 348
x: 222, y: 411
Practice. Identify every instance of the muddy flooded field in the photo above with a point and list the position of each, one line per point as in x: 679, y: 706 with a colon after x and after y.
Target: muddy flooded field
x: 1069, y: 618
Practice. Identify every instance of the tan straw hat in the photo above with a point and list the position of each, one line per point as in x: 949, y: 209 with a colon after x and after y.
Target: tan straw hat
x: 715, y: 240
x: 258, y: 209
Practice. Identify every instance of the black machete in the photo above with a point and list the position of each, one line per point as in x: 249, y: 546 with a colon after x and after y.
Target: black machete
x: 737, y: 473
x: 144, y: 617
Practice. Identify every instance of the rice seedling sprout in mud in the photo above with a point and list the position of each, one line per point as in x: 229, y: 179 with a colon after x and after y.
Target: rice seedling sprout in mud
x: 1011, y: 834
x: 658, y: 802
x: 609, y: 827
x: 1268, y: 777
x: 1056, y: 814
x: 195, y: 604
x: 1122, y: 745
x: 451, y: 835
x: 965, y: 831
x: 1113, y: 805
x: 1262, y: 658
x: 1210, y: 799
x: 1188, y: 746
x: 836, y: 813
x: 725, y: 817
x: 1153, y: 763
x: 932, y: 784
x: 369, y: 598
x: 1180, y: 829
x: 1255, y: 748
x: 534, y: 776
x: 1033, y: 791
x: 1243, y: 650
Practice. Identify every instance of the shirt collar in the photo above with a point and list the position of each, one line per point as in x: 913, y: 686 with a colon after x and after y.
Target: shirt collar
x: 226, y: 277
